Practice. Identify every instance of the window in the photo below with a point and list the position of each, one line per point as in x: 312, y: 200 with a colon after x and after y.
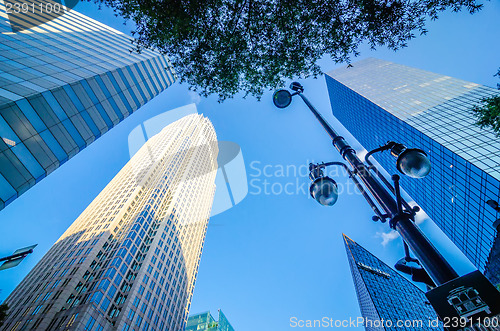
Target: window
x: 105, y: 304
x: 72, y: 320
x: 97, y: 297
x: 90, y: 324
x: 138, y: 321
x: 36, y: 310
x: 131, y: 314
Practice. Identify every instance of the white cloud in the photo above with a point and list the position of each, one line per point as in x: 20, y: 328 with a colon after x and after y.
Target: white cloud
x: 421, y: 216
x: 194, y: 97
x: 387, y: 237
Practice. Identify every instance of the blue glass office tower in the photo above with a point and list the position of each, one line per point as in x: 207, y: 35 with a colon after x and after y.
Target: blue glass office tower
x: 386, y: 299
x: 64, y: 82
x: 493, y: 267
x: 206, y: 322
x: 378, y: 101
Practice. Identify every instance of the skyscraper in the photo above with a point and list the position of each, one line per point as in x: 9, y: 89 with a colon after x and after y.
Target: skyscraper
x: 65, y: 80
x: 206, y: 322
x: 378, y: 101
x: 130, y: 260
x: 492, y: 271
x: 385, y: 297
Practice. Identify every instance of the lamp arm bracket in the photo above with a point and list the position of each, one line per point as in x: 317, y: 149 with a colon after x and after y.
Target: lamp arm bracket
x: 373, y: 168
x: 382, y: 148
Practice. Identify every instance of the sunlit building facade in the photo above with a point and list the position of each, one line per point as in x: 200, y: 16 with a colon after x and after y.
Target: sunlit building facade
x: 206, y: 322
x: 378, y: 101
x: 385, y: 295
x: 65, y: 80
x: 130, y: 260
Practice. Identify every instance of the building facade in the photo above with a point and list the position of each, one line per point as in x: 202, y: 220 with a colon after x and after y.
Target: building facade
x: 385, y: 297
x: 65, y: 80
x: 492, y: 271
x: 378, y: 101
x: 130, y: 260
x: 206, y: 322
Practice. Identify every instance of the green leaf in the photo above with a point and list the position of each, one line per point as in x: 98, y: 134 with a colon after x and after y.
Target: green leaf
x: 224, y: 47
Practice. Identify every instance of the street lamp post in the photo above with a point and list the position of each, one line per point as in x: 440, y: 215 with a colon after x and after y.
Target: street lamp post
x: 412, y: 162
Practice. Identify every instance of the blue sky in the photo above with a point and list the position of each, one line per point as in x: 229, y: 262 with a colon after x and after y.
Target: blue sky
x: 273, y: 256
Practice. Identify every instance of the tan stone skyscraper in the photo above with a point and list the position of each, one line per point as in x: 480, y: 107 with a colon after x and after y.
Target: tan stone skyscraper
x: 130, y: 260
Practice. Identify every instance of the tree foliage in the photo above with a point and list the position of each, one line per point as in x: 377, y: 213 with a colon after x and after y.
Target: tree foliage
x: 488, y: 113
x: 226, y: 46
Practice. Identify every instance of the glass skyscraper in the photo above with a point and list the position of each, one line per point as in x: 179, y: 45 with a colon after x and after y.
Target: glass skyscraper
x: 378, y: 101
x: 385, y: 295
x: 206, y: 322
x: 64, y: 81
x: 130, y: 260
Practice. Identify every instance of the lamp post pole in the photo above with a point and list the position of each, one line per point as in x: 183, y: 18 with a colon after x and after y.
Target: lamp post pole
x: 402, y: 221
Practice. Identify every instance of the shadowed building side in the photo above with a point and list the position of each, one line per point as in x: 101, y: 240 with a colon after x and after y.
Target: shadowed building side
x: 492, y: 271
x: 385, y: 295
